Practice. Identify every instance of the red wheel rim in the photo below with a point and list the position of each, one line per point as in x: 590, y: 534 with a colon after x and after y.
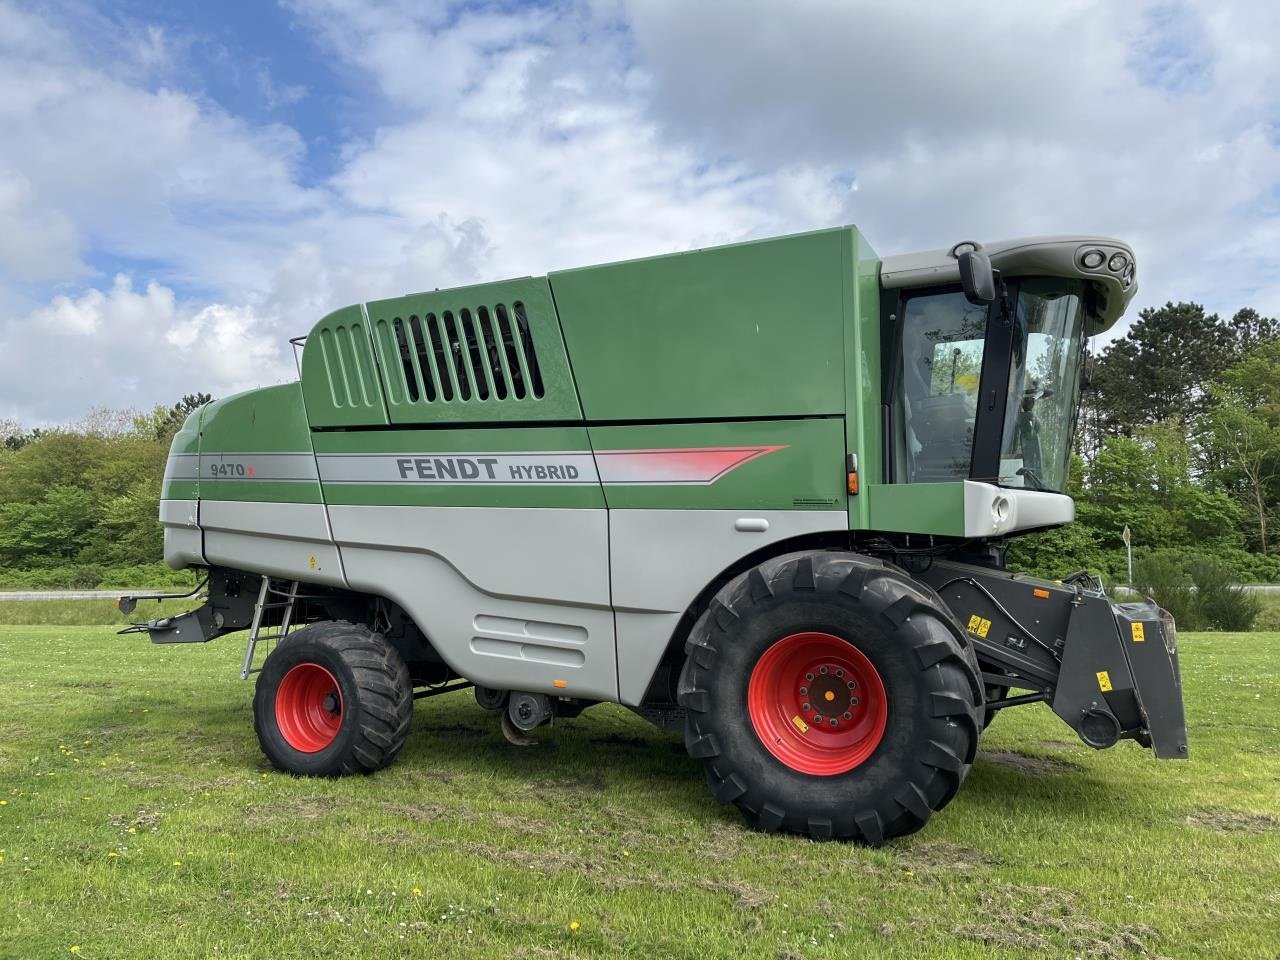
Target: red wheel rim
x: 817, y: 703
x: 309, y: 708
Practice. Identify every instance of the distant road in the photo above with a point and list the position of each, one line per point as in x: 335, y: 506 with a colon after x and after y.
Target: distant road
x: 61, y: 594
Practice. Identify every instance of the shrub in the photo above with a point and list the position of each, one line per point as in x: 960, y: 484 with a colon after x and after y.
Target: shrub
x: 1161, y: 576
x: 1222, y: 604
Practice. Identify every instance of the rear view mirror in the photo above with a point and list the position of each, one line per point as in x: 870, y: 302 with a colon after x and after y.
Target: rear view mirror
x: 976, y: 277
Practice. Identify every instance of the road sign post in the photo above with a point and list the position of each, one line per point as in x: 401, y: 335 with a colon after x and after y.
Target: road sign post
x: 1128, y: 549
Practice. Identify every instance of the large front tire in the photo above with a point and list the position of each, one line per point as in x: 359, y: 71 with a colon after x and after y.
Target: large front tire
x: 830, y: 694
x: 333, y: 699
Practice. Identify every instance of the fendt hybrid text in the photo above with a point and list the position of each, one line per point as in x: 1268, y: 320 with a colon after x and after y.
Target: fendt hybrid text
x: 762, y: 492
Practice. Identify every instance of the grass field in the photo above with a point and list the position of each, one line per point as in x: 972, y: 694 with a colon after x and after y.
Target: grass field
x: 139, y: 819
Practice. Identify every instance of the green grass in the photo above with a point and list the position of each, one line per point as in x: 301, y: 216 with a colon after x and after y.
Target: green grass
x: 68, y: 613
x: 140, y: 820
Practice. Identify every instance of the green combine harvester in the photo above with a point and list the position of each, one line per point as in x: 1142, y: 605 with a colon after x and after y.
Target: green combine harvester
x: 760, y: 492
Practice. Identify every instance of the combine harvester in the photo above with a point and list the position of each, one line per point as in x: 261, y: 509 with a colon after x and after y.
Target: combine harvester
x: 760, y: 491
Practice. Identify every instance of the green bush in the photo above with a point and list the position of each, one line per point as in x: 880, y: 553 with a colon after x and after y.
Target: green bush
x: 95, y: 576
x: 1201, y: 591
x: 1162, y: 576
x: 1222, y: 603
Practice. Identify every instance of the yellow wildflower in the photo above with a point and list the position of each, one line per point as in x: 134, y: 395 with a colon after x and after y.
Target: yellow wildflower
x: 4, y: 803
x: 417, y: 891
x: 574, y: 925
x: 111, y: 854
x: 133, y: 829
x: 177, y: 863
x: 75, y: 948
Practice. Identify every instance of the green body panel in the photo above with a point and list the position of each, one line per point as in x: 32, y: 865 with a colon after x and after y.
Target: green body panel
x: 486, y: 382
x: 459, y: 441
x: 936, y: 508
x: 748, y: 330
x: 339, y: 375
x: 806, y: 474
x: 862, y: 372
x: 185, y: 445
x: 270, y: 420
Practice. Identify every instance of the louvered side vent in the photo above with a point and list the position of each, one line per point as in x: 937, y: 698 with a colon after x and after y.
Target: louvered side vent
x: 340, y: 374
x: 481, y: 353
x: 343, y: 348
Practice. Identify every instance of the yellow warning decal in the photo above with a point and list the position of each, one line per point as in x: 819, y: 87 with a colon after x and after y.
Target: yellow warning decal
x: 1138, y: 635
x: 979, y: 626
x: 800, y: 724
x: 1104, y: 681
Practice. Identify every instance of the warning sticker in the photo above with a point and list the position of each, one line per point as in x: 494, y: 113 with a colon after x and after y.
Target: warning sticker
x: 1104, y: 681
x: 1138, y: 635
x: 979, y: 626
x: 800, y: 724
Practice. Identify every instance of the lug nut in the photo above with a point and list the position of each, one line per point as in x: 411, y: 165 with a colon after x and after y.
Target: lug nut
x: 803, y: 691
x: 854, y: 701
x: 805, y: 706
x: 809, y: 677
x: 834, y: 722
x: 848, y: 715
x: 822, y: 670
x: 851, y: 685
x: 840, y: 673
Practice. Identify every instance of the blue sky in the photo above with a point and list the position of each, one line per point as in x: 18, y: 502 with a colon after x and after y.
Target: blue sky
x: 184, y: 185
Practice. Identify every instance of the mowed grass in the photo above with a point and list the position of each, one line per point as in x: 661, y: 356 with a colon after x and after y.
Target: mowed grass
x: 139, y: 819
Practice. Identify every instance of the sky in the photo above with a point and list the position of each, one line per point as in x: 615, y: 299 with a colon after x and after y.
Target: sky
x: 186, y: 185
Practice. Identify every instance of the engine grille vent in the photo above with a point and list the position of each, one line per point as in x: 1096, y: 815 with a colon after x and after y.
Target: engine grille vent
x: 474, y: 354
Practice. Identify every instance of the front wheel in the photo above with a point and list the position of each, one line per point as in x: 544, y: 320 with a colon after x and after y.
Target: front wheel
x: 831, y: 695
x: 332, y: 699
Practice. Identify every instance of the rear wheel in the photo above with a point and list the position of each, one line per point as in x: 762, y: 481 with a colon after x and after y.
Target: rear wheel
x: 829, y: 694
x: 333, y: 698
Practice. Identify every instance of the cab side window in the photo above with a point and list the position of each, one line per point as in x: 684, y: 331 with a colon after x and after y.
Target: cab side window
x: 943, y: 336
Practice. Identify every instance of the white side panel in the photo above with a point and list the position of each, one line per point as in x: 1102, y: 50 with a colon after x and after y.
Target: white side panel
x: 991, y: 511
x: 278, y: 539
x: 511, y: 598
x: 542, y: 554
x: 662, y: 559
x: 182, y: 546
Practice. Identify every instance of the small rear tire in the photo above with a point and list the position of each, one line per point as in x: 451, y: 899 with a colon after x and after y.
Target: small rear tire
x: 333, y: 699
x: 831, y: 695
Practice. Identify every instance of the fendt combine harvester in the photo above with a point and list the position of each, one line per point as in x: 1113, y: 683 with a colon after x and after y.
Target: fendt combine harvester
x: 762, y: 491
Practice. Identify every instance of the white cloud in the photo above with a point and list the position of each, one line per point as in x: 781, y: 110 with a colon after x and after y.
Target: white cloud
x: 123, y: 347
x: 37, y: 240
x: 512, y: 140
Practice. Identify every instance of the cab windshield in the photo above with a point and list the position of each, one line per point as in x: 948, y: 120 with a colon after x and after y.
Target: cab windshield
x: 1044, y: 384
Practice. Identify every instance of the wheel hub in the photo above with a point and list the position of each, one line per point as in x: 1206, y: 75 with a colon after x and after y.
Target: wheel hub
x: 309, y: 707
x: 817, y: 703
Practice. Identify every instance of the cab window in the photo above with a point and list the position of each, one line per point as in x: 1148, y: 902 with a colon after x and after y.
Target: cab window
x: 943, y: 336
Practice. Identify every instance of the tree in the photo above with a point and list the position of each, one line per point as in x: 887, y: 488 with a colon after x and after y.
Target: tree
x: 1242, y: 434
x: 1158, y: 371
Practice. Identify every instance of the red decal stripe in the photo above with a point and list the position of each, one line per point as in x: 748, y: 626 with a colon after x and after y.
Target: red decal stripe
x: 688, y: 465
